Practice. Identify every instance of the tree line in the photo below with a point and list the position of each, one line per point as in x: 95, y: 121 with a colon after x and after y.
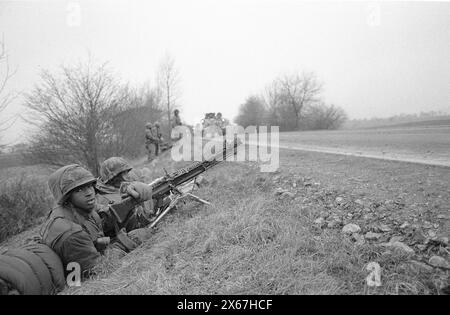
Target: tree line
x: 84, y: 115
x: 292, y: 102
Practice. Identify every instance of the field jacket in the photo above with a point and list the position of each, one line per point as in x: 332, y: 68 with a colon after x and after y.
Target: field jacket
x: 73, y: 235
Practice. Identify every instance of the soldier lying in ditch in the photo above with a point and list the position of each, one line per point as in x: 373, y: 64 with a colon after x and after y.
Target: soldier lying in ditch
x: 74, y: 229
x: 114, y: 173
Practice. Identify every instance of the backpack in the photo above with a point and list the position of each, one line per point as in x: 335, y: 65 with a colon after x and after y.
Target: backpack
x: 33, y: 269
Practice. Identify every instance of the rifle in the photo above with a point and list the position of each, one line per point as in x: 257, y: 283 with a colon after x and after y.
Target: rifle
x: 174, y: 185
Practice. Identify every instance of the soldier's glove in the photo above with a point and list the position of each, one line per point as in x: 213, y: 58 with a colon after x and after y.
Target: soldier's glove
x: 102, y: 243
x: 139, y: 191
x: 139, y: 235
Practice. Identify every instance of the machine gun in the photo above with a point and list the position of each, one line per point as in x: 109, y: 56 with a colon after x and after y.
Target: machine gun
x: 168, y: 190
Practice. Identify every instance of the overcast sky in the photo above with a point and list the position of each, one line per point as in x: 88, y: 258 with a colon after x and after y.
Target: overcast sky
x: 375, y: 59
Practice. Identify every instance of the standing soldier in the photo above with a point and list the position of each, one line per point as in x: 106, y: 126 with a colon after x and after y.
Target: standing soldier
x: 222, y: 123
x: 159, y: 137
x: 176, y: 121
x: 176, y: 118
x: 151, y: 141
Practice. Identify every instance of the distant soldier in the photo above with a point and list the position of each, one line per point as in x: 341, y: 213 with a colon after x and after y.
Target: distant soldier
x: 158, y: 134
x: 176, y: 121
x: 151, y: 141
x: 222, y: 122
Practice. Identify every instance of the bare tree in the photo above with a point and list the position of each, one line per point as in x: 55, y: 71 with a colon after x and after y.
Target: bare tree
x: 272, y: 99
x: 292, y: 102
x: 298, y: 91
x: 129, y: 124
x: 168, y: 78
x: 252, y: 112
x: 321, y: 116
x: 75, y: 115
x: 5, y: 75
x: 279, y: 112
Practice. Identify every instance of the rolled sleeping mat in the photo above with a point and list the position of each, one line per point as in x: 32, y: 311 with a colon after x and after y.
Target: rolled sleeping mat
x: 52, y: 261
x: 40, y: 270
x: 19, y: 275
x: 33, y: 269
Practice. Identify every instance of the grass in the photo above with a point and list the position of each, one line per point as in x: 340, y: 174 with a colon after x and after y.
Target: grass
x: 252, y: 242
x: 24, y: 200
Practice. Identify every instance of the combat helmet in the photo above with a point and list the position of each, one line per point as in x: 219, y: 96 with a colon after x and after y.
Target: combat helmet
x: 148, y: 125
x: 66, y: 179
x: 112, y: 167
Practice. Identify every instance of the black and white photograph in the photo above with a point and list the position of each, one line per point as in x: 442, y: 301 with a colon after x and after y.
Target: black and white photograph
x: 224, y: 153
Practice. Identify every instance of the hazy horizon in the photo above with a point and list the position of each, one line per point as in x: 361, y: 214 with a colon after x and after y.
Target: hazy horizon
x: 375, y: 59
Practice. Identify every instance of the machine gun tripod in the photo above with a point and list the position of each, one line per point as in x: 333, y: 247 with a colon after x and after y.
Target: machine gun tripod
x: 175, y: 187
x: 177, y: 195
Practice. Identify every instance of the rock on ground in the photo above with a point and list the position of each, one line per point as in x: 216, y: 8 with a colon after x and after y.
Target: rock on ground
x: 439, y: 262
x: 351, y: 228
x: 372, y: 236
x: 401, y: 246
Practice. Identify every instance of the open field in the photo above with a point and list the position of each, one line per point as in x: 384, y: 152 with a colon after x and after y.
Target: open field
x: 437, y: 122
x: 430, y: 145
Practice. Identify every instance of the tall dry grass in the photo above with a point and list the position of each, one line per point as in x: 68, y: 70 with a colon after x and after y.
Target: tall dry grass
x: 24, y: 199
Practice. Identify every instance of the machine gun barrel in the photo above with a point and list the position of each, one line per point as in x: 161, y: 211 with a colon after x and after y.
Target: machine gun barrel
x: 165, y: 185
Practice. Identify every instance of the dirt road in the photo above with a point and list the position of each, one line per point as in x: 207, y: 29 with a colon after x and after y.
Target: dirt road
x: 425, y: 145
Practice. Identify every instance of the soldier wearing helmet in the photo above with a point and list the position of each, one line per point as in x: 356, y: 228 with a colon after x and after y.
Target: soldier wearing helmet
x: 176, y: 118
x: 114, y: 173
x: 222, y: 123
x: 176, y: 121
x: 152, y: 140
x: 74, y: 229
x: 158, y: 133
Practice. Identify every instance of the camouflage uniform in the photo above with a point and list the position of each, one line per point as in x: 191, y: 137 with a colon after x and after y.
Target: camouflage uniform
x: 151, y: 141
x: 108, y: 194
x: 75, y: 234
x: 70, y: 232
x: 158, y: 134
